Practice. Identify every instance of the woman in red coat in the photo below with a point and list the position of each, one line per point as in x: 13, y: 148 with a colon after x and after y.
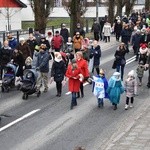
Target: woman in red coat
x: 83, y: 65
x: 74, y: 74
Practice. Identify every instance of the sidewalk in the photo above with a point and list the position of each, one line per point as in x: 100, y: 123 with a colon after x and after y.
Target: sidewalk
x: 137, y: 138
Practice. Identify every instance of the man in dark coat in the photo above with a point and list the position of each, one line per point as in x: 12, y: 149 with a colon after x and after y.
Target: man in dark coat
x: 136, y: 43
x: 118, y: 29
x: 102, y: 22
x: 5, y: 57
x: 65, y: 34
x: 80, y: 30
x: 96, y: 30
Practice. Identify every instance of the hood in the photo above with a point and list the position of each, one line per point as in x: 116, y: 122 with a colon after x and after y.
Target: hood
x: 143, y: 51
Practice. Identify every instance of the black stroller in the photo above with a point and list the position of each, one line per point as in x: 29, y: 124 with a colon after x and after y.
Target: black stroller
x: 8, y: 80
x: 29, y: 83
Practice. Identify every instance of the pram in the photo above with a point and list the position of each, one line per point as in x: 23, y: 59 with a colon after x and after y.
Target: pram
x: 8, y: 80
x: 28, y: 86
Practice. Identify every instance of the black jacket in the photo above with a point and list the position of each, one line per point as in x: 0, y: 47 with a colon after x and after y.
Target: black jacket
x: 96, y: 27
x: 65, y: 34
x: 58, y: 71
x: 5, y: 55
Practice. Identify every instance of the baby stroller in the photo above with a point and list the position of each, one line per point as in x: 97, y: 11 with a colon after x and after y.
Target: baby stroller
x: 8, y: 80
x: 29, y: 83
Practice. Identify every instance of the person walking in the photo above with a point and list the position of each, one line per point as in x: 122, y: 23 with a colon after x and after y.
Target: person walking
x: 24, y: 48
x: 148, y: 66
x: 17, y: 59
x: 136, y: 43
x: 96, y: 29
x: 5, y: 57
x: 130, y: 86
x: 120, y: 58
x: 32, y: 43
x: 42, y: 66
x: 115, y: 89
x: 77, y: 42
x: 107, y: 31
x: 58, y: 72
x: 80, y: 30
x: 65, y: 34
x: 82, y: 64
x: 57, y: 42
x: 100, y: 85
x: 118, y: 29
x: 74, y: 75
x: 95, y: 53
x: 140, y: 71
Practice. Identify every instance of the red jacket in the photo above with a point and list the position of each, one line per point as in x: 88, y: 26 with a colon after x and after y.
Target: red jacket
x: 82, y: 64
x: 73, y: 84
x: 57, y: 42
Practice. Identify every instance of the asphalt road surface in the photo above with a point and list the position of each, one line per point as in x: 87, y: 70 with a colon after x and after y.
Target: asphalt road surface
x: 47, y: 123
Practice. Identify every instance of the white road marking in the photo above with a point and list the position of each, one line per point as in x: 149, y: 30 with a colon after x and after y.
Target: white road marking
x: 19, y: 119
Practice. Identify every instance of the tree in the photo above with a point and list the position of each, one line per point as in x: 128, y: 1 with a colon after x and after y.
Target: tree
x: 120, y: 4
x: 41, y: 9
x: 75, y: 9
x: 129, y: 6
x: 111, y: 6
x: 147, y: 5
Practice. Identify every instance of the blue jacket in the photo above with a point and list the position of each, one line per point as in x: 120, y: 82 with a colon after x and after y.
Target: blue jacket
x: 136, y: 40
x: 43, y: 62
x: 13, y: 43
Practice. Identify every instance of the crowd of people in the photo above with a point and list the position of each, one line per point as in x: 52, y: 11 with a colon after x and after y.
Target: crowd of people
x: 74, y: 59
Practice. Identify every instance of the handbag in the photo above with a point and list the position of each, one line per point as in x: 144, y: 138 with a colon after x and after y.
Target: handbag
x: 114, y: 64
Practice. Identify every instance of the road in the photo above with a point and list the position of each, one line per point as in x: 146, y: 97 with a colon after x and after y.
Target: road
x: 47, y: 123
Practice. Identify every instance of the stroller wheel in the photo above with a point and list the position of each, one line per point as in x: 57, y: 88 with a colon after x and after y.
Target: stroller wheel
x: 25, y: 96
x: 39, y: 93
x: 2, y: 88
x: 7, y: 89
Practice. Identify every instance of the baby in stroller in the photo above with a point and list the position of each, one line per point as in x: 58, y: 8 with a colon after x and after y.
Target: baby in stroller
x: 29, y: 83
x: 8, y: 80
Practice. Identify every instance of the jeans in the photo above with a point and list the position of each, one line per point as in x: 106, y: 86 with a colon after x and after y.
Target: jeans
x: 122, y: 70
x: 74, y: 99
x: 59, y: 87
x: 127, y: 100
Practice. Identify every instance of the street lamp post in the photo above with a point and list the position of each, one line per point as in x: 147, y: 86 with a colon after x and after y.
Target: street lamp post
x: 97, y: 10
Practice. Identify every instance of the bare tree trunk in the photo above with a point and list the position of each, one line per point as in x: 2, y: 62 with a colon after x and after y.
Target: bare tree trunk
x: 111, y: 5
x: 129, y: 6
x: 119, y: 8
x: 147, y: 5
x: 41, y: 9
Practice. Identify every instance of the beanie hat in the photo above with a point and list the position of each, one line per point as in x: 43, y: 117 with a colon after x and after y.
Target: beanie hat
x: 102, y: 72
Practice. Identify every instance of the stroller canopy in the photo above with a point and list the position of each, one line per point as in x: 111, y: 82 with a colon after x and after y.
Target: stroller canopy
x: 11, y: 69
x: 30, y: 74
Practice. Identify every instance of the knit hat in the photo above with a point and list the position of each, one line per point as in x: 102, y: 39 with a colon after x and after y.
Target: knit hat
x: 131, y: 73
x: 21, y: 39
x: 143, y: 46
x: 102, y: 72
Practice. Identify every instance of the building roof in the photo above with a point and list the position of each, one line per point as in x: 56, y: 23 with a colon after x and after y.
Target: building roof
x: 12, y: 3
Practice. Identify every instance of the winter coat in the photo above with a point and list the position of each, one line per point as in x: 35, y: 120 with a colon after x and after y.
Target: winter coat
x: 57, y: 42
x: 125, y: 34
x: 95, y: 27
x: 140, y: 71
x: 25, y: 49
x: 96, y: 53
x: 107, y: 29
x: 32, y: 44
x: 81, y: 31
x: 5, y: 55
x: 58, y: 71
x: 120, y: 55
x: 118, y: 28
x: 43, y: 62
x: 18, y: 60
x: 77, y: 42
x: 130, y: 87
x: 82, y: 64
x: 12, y: 43
x: 136, y: 40
x: 145, y: 38
x: 73, y: 84
x: 114, y: 90
x: 65, y: 34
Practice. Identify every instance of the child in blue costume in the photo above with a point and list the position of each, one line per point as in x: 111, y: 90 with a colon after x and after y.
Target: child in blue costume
x: 115, y: 89
x: 100, y: 85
